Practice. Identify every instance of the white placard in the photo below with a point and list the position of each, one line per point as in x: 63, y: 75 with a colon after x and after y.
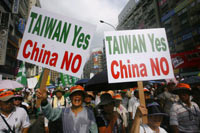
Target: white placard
x: 32, y: 82
x: 137, y: 55
x: 56, y: 42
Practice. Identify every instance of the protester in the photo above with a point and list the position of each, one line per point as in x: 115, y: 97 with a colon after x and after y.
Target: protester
x: 76, y: 118
x: 125, y: 98
x: 134, y: 103
x: 12, y: 118
x: 155, y: 116
x: 121, y: 109
x: 168, y: 98
x: 58, y: 99
x: 88, y: 100
x: 185, y: 114
x: 18, y: 101
x: 28, y: 96
x: 97, y: 97
x: 66, y: 95
x: 109, y: 121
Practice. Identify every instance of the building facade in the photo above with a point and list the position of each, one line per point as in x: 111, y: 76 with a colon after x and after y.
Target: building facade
x: 181, y: 20
x: 139, y: 14
x: 13, y: 17
x: 94, y: 64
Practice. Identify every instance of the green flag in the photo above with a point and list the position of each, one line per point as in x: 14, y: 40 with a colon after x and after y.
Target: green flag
x: 21, y: 75
x: 63, y: 79
x: 67, y: 80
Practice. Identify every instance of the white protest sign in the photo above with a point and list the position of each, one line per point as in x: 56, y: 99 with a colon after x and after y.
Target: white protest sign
x: 137, y: 55
x: 32, y: 82
x: 56, y: 42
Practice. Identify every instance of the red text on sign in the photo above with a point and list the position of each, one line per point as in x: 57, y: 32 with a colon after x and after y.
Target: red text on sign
x: 33, y: 52
x: 157, y: 65
x: 127, y: 70
x: 74, y: 61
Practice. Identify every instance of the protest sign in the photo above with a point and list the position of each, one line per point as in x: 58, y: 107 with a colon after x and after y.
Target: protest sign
x: 56, y: 42
x: 32, y: 82
x: 137, y: 55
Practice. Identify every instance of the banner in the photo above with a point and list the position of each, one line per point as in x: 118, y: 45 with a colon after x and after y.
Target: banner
x: 137, y: 55
x: 186, y: 59
x: 56, y: 42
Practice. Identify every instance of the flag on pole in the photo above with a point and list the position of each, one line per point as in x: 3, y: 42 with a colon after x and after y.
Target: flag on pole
x: 21, y: 75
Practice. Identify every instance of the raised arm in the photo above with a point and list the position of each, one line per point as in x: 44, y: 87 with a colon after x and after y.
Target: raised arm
x: 50, y: 113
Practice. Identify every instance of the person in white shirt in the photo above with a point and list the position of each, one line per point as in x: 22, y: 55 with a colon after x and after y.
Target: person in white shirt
x: 121, y: 109
x: 134, y: 102
x: 12, y: 119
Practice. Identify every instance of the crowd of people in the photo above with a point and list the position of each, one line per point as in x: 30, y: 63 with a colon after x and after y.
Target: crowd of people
x: 170, y: 107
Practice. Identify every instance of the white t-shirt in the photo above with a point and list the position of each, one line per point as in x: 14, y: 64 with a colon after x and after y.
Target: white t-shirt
x: 25, y: 104
x: 123, y: 113
x: 146, y: 129
x: 17, y: 120
x: 133, y: 104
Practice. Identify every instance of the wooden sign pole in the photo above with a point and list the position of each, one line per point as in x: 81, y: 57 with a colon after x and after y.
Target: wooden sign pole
x: 43, y: 85
x: 142, y: 100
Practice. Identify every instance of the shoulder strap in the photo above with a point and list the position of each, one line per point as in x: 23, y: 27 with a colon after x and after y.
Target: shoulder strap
x: 52, y: 101
x: 189, y: 110
x: 7, y: 123
x: 65, y: 103
x: 143, y: 128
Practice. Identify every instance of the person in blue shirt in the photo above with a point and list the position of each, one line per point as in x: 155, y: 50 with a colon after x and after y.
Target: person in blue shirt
x: 75, y: 119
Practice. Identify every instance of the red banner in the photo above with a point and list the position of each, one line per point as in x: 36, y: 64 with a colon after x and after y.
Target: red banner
x: 186, y: 59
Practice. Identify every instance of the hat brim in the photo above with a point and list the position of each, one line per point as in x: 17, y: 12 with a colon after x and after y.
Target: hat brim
x: 155, y: 114
x: 6, y: 98
x: 106, y: 102
x: 62, y: 91
x: 84, y: 93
